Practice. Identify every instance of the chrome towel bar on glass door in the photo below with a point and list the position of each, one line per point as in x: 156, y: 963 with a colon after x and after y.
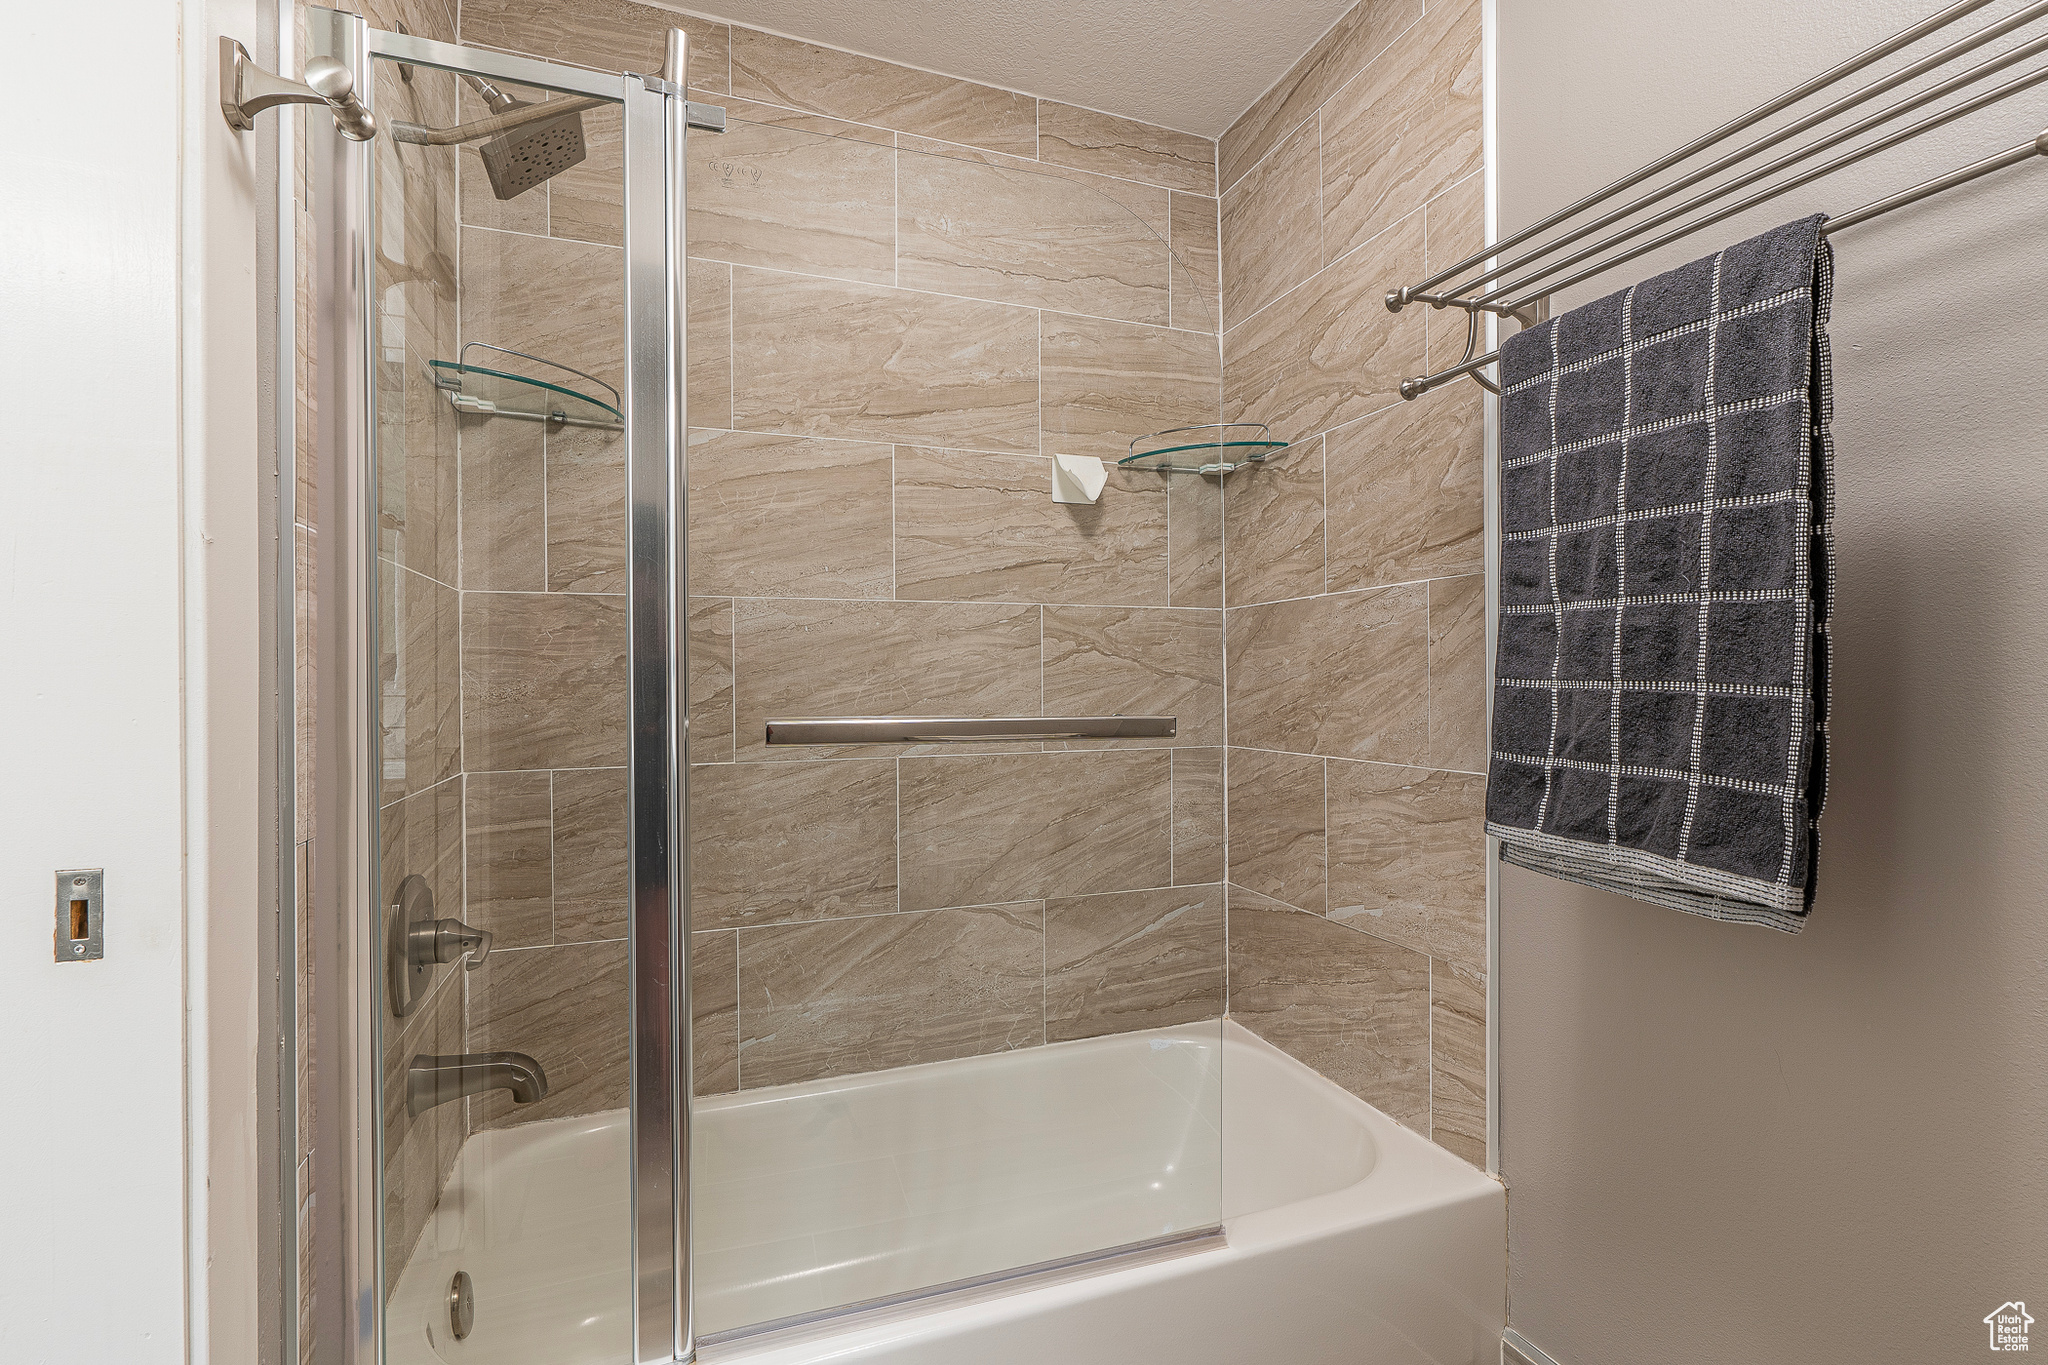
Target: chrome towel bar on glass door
x: 945, y: 729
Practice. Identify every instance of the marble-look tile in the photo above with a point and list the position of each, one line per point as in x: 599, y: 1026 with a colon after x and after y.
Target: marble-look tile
x: 1345, y: 674
x: 415, y: 249
x: 1086, y: 140
x: 504, y: 505
x: 567, y: 1008
x: 823, y: 80
x: 884, y: 991
x: 586, y: 501
x: 774, y: 843
x: 1023, y: 236
x: 421, y: 680
x: 1407, y: 128
x: 543, y: 681
x: 1457, y: 1009
x: 1133, y: 960
x: 1196, y: 286
x: 1406, y: 491
x: 559, y: 300
x: 709, y: 343
x: 1272, y: 226
x: 1457, y: 673
x: 818, y: 357
x: 715, y: 1013
x: 789, y: 516
x: 792, y: 199
x: 1103, y: 383
x: 1194, y: 533
x: 739, y: 110
x: 1338, y: 55
x: 1354, y: 1007
x: 1408, y: 857
x: 433, y: 19
x: 588, y: 200
x: 419, y: 1152
x: 1148, y: 203
x: 1453, y: 227
x: 1329, y: 351
x: 983, y: 829
x: 1136, y: 661
x: 593, y: 875
x: 511, y: 876
x: 422, y: 836
x: 975, y: 527
x: 612, y: 35
x: 1277, y: 844
x: 304, y: 1043
x: 1273, y: 532
x: 799, y: 658
x: 416, y: 471
x: 1197, y: 816
x: 710, y: 679
x: 306, y: 684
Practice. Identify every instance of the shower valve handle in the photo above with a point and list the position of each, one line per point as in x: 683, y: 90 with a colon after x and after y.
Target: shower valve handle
x: 450, y: 940
x: 246, y: 90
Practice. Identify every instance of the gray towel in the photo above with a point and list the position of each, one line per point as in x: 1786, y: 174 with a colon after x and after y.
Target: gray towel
x: 1666, y: 507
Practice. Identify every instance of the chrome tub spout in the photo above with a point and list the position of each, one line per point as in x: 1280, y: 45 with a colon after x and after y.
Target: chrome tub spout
x: 436, y: 1080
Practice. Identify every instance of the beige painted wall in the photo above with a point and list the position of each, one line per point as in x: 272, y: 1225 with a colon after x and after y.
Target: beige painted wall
x: 1723, y: 1143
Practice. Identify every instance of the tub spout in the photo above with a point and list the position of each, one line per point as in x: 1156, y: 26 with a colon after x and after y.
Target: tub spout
x: 436, y: 1080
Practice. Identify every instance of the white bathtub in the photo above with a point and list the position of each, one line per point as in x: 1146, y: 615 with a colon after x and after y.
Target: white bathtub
x: 1348, y: 1240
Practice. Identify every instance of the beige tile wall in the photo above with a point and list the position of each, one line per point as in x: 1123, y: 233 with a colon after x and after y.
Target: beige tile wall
x: 1355, y: 613
x: 907, y: 293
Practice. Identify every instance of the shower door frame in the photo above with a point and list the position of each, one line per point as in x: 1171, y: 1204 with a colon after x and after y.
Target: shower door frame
x: 346, y: 911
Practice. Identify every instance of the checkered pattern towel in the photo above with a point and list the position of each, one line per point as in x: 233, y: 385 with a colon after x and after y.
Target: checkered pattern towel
x: 1667, y: 496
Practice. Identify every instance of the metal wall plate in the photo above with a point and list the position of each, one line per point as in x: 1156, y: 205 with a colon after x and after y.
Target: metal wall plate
x: 81, y: 915
x: 409, y: 973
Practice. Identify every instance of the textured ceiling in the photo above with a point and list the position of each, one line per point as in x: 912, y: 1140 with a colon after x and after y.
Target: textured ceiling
x: 1193, y: 65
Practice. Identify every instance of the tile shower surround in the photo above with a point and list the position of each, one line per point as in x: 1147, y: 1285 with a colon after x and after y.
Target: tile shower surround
x: 873, y: 434
x: 1355, y: 609
x: 907, y: 293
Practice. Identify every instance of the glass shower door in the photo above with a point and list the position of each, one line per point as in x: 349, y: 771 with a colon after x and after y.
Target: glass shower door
x: 515, y: 227
x: 957, y: 1003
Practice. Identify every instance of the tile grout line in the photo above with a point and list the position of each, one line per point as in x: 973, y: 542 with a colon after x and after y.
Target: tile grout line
x: 732, y: 344
x: 941, y: 293
x: 554, y: 895
x: 1189, y: 889
x: 1314, y: 596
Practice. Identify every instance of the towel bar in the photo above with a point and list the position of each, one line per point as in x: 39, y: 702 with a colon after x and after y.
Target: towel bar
x: 945, y: 729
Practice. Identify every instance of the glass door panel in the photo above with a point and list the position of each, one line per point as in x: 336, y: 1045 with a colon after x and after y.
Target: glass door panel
x: 502, y: 816
x: 957, y: 1004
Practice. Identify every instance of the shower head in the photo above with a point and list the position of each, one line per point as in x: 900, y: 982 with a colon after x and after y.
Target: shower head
x: 523, y: 157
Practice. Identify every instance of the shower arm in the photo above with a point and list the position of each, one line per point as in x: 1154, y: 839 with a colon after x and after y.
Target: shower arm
x: 496, y: 123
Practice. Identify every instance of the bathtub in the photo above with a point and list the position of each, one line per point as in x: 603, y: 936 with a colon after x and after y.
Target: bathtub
x: 1328, y: 1234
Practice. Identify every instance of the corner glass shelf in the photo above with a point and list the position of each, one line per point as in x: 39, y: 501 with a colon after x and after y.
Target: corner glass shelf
x: 1214, y: 448
x: 493, y: 391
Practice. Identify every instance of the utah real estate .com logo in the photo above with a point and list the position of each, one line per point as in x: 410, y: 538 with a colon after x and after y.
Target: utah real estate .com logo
x: 2008, y: 1325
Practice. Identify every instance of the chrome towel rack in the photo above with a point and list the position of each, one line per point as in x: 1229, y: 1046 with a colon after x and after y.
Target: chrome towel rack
x: 955, y: 729
x: 1520, y: 285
